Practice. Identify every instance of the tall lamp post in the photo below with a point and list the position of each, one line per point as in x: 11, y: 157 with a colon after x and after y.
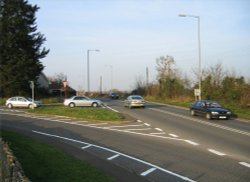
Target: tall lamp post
x: 96, y: 50
x: 199, y: 47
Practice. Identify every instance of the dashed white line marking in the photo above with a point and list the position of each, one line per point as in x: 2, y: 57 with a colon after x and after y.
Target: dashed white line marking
x: 158, y: 129
x: 173, y: 135
x: 114, y: 156
x: 146, y: 124
x: 191, y: 142
x: 123, y: 126
x: 148, y: 171
x: 139, y: 121
x: 216, y: 152
x: 245, y: 164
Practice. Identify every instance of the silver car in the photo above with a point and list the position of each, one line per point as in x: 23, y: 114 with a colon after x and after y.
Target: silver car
x: 19, y: 101
x: 82, y: 101
x: 134, y: 101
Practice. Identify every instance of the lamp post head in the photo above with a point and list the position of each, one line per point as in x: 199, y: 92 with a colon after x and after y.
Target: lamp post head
x: 182, y: 15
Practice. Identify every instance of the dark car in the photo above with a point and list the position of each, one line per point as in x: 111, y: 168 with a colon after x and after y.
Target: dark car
x: 209, y: 109
x: 114, y: 95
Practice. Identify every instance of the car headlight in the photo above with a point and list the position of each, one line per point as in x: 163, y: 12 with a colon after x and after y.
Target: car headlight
x: 214, y: 113
x: 228, y: 112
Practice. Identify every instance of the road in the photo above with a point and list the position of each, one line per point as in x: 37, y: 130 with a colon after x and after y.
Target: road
x: 162, y: 143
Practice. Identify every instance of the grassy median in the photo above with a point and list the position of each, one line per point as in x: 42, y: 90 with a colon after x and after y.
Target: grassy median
x: 44, y: 163
x: 85, y: 113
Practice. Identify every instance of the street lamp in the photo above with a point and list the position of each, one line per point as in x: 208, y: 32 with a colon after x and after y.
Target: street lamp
x: 96, y: 50
x: 199, y: 47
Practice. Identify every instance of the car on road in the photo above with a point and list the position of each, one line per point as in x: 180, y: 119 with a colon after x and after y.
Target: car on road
x: 114, y: 95
x: 134, y: 101
x: 76, y: 101
x: 20, y: 101
x: 210, y: 109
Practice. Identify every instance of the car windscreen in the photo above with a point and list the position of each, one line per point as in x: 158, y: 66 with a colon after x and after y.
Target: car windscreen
x: 137, y: 98
x: 213, y: 104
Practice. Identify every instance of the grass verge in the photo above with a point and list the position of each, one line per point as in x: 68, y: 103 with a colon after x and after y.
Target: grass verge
x: 86, y: 113
x: 44, y: 163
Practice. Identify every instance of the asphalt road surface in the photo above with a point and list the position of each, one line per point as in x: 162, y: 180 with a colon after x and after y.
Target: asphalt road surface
x: 162, y: 143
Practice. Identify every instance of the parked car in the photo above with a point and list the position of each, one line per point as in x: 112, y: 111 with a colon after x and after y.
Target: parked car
x: 114, y: 95
x: 82, y: 101
x: 134, y: 101
x: 19, y: 101
x: 210, y: 109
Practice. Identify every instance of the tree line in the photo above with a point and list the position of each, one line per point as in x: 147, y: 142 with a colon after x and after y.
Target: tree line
x: 216, y: 84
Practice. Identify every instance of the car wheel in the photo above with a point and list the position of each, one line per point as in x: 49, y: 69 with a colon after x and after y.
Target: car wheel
x: 30, y: 106
x: 94, y: 104
x: 72, y: 104
x: 10, y: 106
x: 208, y: 116
x: 192, y: 112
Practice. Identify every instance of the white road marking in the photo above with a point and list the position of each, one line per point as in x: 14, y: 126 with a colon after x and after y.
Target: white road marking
x: 148, y: 171
x: 87, y: 146
x: 139, y: 121
x: 133, y: 129
x: 124, y: 155
x: 124, y: 126
x: 245, y: 164
x: 173, y: 135
x: 160, y: 133
x: 112, y: 109
x: 113, y: 157
x: 146, y: 124
x: 158, y: 129
x: 216, y: 152
x: 191, y: 142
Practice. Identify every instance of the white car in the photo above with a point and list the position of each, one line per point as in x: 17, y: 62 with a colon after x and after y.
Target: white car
x: 82, y: 101
x: 134, y: 101
x: 19, y: 101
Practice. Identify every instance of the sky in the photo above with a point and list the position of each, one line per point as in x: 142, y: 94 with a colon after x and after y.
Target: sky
x: 132, y: 34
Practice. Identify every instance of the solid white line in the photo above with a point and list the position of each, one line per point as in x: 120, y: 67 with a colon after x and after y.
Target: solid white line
x: 245, y: 164
x: 146, y: 124
x: 127, y: 156
x: 173, y: 135
x: 112, y: 109
x: 138, y: 129
x: 81, y: 121
x: 114, y: 156
x: 191, y: 142
x: 158, y: 129
x: 216, y: 152
x: 148, y: 171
